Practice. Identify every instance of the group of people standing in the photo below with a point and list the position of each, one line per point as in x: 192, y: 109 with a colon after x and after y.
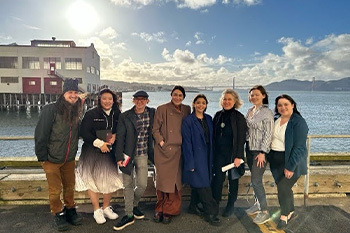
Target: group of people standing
x: 185, y: 147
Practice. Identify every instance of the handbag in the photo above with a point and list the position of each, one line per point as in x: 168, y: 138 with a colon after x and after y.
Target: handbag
x: 237, y: 172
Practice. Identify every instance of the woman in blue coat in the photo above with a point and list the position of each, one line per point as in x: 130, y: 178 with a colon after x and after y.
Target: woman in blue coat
x: 197, y: 135
x: 288, y: 154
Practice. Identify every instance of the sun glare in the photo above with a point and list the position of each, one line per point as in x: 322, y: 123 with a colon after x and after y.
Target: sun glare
x: 82, y: 17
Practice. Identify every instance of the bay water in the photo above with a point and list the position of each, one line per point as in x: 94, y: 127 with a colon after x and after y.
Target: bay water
x: 326, y: 113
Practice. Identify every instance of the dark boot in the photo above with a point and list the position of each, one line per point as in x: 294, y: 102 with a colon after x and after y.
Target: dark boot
x: 232, y: 197
x: 228, y: 210
x: 60, y: 221
x: 229, y: 207
x: 72, y: 216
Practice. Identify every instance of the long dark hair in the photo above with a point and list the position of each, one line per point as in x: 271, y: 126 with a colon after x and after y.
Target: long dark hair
x: 197, y: 97
x: 70, y: 112
x: 290, y: 99
x: 262, y: 91
x: 106, y: 90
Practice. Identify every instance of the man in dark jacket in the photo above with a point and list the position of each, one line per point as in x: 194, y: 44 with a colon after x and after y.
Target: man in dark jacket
x: 134, y: 148
x: 56, y: 145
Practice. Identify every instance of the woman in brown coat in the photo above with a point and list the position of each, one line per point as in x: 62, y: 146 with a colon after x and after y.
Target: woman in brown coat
x: 167, y: 155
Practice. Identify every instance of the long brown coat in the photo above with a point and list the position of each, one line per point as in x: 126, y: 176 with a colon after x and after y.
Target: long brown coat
x: 167, y: 159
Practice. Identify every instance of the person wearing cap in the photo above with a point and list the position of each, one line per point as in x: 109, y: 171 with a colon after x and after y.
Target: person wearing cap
x: 134, y: 148
x: 167, y: 155
x: 97, y: 170
x: 56, y: 144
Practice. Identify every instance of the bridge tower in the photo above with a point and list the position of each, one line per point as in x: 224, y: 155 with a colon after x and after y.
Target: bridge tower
x: 313, y: 83
x: 233, y: 82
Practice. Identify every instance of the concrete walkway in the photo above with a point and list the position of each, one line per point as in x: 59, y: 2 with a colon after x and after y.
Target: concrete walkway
x: 322, y: 215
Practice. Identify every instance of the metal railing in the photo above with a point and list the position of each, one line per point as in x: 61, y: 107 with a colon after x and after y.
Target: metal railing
x: 345, y: 156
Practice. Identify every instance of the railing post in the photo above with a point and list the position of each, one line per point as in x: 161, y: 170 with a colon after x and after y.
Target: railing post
x: 307, y: 177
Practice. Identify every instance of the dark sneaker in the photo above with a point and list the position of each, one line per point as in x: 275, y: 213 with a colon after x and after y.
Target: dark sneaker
x: 194, y: 209
x: 282, y: 225
x: 213, y: 220
x: 72, y: 217
x: 137, y: 213
x: 126, y: 221
x: 158, y: 217
x: 228, y: 211
x: 60, y: 221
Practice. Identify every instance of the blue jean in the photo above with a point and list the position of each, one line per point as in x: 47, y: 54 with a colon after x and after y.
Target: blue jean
x: 257, y: 174
x: 133, y: 191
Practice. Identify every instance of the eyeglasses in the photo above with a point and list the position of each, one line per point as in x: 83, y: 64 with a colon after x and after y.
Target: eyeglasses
x: 140, y: 99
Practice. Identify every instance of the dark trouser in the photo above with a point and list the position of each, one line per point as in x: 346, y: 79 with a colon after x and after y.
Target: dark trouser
x: 284, y: 185
x: 257, y: 174
x: 204, y: 196
x: 217, y: 184
x: 168, y: 203
x: 60, y: 177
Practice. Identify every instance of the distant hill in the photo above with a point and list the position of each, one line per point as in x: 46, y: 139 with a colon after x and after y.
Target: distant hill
x: 286, y: 85
x: 125, y: 86
x: 297, y: 85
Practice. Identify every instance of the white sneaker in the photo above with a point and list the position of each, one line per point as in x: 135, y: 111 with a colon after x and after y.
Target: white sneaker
x: 109, y: 213
x: 99, y: 217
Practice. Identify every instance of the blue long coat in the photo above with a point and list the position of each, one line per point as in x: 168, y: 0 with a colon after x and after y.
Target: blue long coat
x: 195, y: 152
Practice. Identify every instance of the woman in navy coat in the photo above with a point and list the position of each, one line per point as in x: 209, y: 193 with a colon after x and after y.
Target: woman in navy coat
x: 197, y: 135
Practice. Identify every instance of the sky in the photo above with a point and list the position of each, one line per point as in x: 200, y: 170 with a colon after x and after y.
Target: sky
x: 194, y: 42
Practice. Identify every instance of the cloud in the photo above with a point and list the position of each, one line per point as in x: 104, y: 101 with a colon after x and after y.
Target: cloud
x: 31, y: 27
x: 246, y: 2
x: 16, y: 18
x: 157, y: 37
x: 134, y: 3
x: 309, y: 41
x: 326, y: 59
x: 181, y: 66
x: 5, y: 37
x: 195, y: 4
x: 198, y: 38
x: 121, y: 45
x: 201, y: 5
x: 109, y: 33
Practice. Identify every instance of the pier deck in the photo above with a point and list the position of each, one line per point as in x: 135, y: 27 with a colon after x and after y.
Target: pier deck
x: 323, y: 215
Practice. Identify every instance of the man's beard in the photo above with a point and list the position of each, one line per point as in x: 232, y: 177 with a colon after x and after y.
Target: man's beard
x: 70, y: 112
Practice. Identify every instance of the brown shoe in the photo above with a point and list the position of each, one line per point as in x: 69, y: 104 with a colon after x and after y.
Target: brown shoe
x: 166, y: 218
x: 158, y: 217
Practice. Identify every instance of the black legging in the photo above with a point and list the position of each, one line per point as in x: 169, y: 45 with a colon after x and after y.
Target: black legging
x: 284, y: 185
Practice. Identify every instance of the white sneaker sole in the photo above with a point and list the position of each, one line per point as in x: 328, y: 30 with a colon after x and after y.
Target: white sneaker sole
x: 259, y: 223
x: 139, y: 217
x: 122, y: 227
x: 252, y: 213
x: 111, y: 218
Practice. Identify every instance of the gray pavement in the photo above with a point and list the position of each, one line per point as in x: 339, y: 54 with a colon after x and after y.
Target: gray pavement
x: 321, y: 215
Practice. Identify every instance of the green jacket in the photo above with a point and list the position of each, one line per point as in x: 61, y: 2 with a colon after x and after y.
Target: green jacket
x: 55, y: 139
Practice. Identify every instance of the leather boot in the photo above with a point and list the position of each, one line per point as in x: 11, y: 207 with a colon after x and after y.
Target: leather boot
x: 72, y: 216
